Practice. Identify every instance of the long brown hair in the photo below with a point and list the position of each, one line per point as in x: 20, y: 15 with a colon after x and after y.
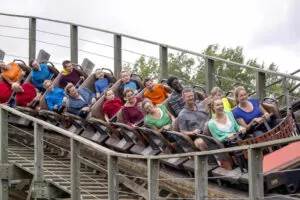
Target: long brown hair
x: 210, y: 104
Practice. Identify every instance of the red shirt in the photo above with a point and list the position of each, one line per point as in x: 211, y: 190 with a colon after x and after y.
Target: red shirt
x: 23, y: 98
x: 6, y: 92
x: 133, y: 114
x: 112, y: 107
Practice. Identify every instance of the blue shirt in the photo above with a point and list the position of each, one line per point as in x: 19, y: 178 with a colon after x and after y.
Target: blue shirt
x: 101, y: 85
x: 74, y: 105
x: 248, y: 116
x: 38, y: 77
x: 55, y: 97
x: 131, y: 84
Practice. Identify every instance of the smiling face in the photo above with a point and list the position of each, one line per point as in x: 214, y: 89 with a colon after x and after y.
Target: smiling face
x: 69, y: 67
x: 109, y: 95
x: 218, y: 105
x: 149, y: 85
x: 189, y: 97
x: 73, y: 92
x: 176, y: 85
x: 129, y: 96
x: 48, y: 86
x: 125, y: 77
x: 148, y: 107
x: 242, y: 96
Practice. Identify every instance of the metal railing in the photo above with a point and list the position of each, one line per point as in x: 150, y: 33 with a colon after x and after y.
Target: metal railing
x: 210, y: 66
x: 255, y: 157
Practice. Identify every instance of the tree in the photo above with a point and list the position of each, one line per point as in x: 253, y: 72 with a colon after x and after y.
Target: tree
x: 145, y: 68
x: 181, y: 65
x: 227, y: 76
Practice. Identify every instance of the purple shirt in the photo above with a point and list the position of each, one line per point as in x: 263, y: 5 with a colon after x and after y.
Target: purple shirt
x: 73, y: 77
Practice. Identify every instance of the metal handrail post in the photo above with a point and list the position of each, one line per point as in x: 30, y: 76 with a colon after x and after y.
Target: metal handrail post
x: 3, y: 151
x: 201, y: 177
x: 38, y: 152
x: 163, y: 61
x: 153, y: 178
x: 286, y: 94
x: 209, y: 74
x: 255, y: 174
x: 75, y: 170
x: 117, y: 56
x: 113, y: 182
x: 32, y: 38
x: 260, y: 85
x: 74, y: 43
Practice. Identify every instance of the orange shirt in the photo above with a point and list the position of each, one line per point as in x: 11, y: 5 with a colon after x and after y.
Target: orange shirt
x: 14, y: 73
x: 158, y: 95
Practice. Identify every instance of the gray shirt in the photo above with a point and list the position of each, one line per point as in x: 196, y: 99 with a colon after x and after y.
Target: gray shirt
x: 189, y: 120
x: 176, y: 102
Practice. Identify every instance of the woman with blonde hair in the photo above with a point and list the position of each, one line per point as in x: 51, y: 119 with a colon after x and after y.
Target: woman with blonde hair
x: 217, y: 93
x: 249, y: 111
x: 223, y: 125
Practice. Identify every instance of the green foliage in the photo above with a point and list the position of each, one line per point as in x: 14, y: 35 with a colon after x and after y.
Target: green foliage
x: 227, y: 76
x: 181, y: 65
x: 145, y: 68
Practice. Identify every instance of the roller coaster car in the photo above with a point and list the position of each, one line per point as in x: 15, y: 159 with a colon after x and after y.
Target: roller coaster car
x: 101, y: 128
x: 14, y: 118
x: 98, y: 129
x: 155, y: 143
x: 81, y: 123
x: 286, y: 157
x: 128, y: 137
x: 131, y: 141
x: 184, y: 144
x: 135, y: 78
x: 48, y: 115
x: 31, y: 110
x: 54, y: 117
x: 296, y: 112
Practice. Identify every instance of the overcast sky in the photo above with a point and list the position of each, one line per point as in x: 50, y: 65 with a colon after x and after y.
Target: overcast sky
x: 268, y: 30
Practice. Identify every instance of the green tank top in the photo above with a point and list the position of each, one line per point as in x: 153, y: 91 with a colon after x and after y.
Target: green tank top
x: 159, y: 123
